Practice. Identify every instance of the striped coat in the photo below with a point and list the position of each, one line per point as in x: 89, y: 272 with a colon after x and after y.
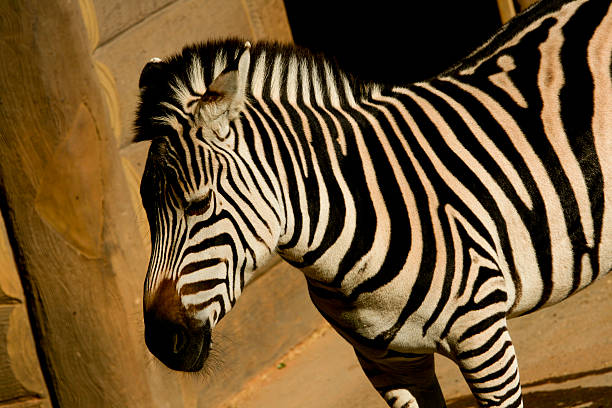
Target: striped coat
x: 422, y: 215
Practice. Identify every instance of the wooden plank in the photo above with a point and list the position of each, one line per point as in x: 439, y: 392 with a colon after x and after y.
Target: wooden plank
x: 115, y: 16
x: 268, y: 19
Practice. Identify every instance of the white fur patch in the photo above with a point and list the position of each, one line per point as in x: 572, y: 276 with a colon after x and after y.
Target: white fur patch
x: 401, y: 399
x: 196, y: 76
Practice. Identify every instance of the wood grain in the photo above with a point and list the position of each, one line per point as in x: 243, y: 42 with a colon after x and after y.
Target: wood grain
x: 20, y: 375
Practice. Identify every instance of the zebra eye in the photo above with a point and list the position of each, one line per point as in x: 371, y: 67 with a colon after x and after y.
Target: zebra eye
x: 199, y: 207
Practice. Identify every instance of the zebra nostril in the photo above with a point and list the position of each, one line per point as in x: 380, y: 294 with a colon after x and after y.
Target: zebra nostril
x: 179, y: 340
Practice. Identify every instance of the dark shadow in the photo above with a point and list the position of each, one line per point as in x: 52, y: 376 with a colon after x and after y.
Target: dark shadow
x: 564, y: 378
x: 595, y: 397
x: 393, y: 42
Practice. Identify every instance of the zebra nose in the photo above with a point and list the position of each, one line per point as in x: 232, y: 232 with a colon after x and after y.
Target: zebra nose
x: 177, y: 346
x: 171, y: 335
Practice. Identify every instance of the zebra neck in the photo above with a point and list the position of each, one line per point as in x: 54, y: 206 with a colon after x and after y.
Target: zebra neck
x: 304, y: 116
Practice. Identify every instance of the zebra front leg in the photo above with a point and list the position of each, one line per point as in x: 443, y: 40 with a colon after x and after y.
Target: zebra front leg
x: 489, y: 365
x: 405, y: 382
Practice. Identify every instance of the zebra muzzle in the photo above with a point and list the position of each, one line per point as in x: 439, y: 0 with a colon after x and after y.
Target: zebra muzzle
x: 177, y: 346
x: 175, y: 338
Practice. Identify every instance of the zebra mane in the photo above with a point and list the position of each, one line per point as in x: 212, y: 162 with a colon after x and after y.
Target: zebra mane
x: 193, y: 69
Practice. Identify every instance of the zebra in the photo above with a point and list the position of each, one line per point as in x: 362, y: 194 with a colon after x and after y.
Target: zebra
x: 423, y: 215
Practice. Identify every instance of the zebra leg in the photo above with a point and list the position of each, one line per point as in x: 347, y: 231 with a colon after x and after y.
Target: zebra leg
x: 489, y: 365
x: 405, y: 382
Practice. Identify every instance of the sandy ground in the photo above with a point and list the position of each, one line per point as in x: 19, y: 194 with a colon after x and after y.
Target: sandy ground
x: 564, y: 353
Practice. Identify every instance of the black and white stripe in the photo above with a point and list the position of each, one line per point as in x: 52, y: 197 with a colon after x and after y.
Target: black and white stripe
x: 423, y: 215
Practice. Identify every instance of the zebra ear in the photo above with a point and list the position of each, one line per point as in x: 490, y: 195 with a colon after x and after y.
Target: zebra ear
x: 150, y: 72
x: 228, y: 89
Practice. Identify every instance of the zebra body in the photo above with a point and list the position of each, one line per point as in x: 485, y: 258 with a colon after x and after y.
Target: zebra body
x: 422, y: 215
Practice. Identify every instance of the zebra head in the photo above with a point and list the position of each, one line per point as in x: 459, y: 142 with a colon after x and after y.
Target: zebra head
x: 209, y: 227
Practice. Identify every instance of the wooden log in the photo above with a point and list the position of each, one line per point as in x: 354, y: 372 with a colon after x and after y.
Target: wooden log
x: 67, y: 209
x: 21, y: 381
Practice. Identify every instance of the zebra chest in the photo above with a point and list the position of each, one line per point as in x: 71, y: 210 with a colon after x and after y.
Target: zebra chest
x: 367, y: 319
